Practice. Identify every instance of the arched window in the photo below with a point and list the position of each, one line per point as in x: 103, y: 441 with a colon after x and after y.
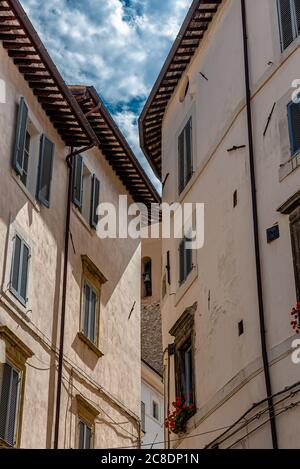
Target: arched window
x: 147, y: 277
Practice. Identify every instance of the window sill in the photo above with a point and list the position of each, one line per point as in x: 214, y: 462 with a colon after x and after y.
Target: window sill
x: 186, y: 285
x: 90, y: 344
x: 26, y: 192
x: 83, y: 220
x: 14, y: 304
x: 289, y: 167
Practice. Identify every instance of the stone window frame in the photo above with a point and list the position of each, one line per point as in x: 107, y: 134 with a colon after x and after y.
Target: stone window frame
x: 92, y: 275
x: 16, y: 354
x: 87, y: 414
x: 183, y: 331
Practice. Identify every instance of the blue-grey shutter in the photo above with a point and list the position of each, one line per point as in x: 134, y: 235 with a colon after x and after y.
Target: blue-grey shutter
x: 77, y: 181
x: 95, y: 194
x: 93, y: 317
x: 294, y: 126
x: 182, y: 262
x: 286, y: 23
x: 181, y: 178
x: 15, y: 271
x: 9, y: 403
x: 18, y: 154
x: 297, y: 12
x: 188, y: 259
x: 81, y: 436
x: 87, y: 308
x: 45, y: 171
x: 24, y: 272
x: 189, y: 151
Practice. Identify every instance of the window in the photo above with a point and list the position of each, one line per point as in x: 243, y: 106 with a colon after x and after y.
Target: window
x: 85, y: 436
x: 294, y: 127
x: 86, y: 191
x: 155, y: 410
x: 185, y: 372
x: 87, y: 414
x: 147, y: 277
x: 183, y: 332
x: 19, y: 270
x: 12, y: 380
x: 10, y: 386
x: 289, y: 21
x: 185, y: 156
x: 90, y: 316
x: 185, y: 261
x: 33, y: 157
x: 92, y: 281
x: 295, y: 233
x: 143, y: 417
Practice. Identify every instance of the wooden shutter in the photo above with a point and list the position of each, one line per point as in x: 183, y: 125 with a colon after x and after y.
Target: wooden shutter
x: 78, y: 181
x: 24, y: 271
x: 45, y: 171
x: 143, y: 416
x: 297, y: 13
x: 18, y: 155
x: 15, y: 271
x: 93, y: 317
x: 286, y: 23
x: 188, y: 260
x: 95, y: 194
x: 87, y: 301
x: 182, y: 262
x: 81, y: 436
x: 181, y: 177
x: 295, y: 233
x: 189, y: 152
x: 294, y: 126
x: 8, y: 404
x: 88, y: 437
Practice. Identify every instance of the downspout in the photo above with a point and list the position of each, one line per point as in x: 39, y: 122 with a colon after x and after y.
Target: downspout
x: 256, y: 233
x: 69, y: 161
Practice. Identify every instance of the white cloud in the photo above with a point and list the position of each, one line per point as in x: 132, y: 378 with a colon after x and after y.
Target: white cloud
x: 118, y: 46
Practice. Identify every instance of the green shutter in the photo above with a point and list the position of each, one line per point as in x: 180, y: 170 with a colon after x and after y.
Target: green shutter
x: 78, y: 181
x: 181, y: 178
x: 81, y: 436
x: 24, y: 272
x: 181, y: 262
x: 87, y: 302
x: 189, y: 152
x: 294, y: 126
x: 95, y: 194
x: 93, y: 317
x: 18, y: 155
x: 297, y: 12
x: 45, y: 171
x: 8, y: 404
x: 286, y: 23
x: 15, y: 271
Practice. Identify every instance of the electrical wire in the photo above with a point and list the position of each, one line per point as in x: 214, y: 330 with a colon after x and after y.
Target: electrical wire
x: 287, y: 408
x: 285, y: 390
x: 96, y: 404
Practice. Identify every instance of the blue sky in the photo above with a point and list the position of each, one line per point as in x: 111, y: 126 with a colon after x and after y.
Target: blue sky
x: 118, y: 46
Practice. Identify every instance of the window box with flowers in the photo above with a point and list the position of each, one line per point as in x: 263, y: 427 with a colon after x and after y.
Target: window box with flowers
x: 177, y: 419
x: 295, y: 313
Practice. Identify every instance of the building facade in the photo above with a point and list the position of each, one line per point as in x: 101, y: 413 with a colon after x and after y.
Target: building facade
x: 221, y: 128
x: 70, y: 301
x: 152, y: 406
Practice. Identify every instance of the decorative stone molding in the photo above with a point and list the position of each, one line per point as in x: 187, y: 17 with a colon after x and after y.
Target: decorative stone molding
x: 184, y: 327
x: 90, y: 268
x: 16, y: 350
x: 85, y: 410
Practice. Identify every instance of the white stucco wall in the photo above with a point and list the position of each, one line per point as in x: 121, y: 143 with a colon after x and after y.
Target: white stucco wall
x: 99, y: 380
x: 223, y: 282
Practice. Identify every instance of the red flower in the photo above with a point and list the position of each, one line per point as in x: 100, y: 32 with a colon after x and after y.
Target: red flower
x: 191, y: 407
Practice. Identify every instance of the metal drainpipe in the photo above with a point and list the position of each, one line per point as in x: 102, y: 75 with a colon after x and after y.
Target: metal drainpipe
x: 69, y: 161
x: 256, y: 233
